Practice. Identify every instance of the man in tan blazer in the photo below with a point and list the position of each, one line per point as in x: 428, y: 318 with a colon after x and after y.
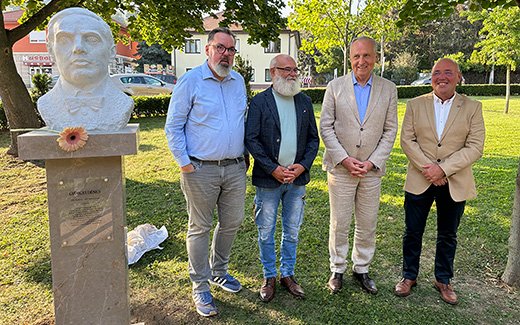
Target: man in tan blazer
x: 358, y: 126
x: 442, y: 136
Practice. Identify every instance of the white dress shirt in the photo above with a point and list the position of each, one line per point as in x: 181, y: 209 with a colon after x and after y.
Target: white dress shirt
x: 442, y: 110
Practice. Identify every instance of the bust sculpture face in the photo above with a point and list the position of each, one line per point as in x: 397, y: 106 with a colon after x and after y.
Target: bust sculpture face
x: 82, y: 46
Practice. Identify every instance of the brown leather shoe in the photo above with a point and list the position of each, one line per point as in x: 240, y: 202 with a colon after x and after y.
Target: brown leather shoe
x: 447, y: 293
x: 404, y: 287
x: 267, y: 290
x: 335, y: 282
x: 294, y: 288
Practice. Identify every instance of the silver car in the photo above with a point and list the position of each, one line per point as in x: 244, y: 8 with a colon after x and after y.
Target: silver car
x: 140, y: 84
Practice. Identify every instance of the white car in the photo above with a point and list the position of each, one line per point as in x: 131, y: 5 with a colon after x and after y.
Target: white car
x: 140, y: 84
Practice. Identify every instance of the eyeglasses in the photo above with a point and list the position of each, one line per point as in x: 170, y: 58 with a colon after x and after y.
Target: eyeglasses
x: 289, y: 70
x: 221, y: 49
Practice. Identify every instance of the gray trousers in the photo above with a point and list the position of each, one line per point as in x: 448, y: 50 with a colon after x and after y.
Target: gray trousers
x: 211, y: 186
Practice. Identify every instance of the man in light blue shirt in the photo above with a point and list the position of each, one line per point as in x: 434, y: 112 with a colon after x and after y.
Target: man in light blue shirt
x: 362, y: 93
x: 205, y: 132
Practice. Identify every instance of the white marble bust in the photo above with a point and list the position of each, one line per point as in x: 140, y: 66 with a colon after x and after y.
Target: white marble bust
x: 82, y: 46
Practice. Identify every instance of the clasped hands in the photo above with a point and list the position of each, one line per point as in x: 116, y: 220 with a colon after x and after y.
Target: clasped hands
x: 357, y: 168
x: 434, y: 174
x: 287, y: 175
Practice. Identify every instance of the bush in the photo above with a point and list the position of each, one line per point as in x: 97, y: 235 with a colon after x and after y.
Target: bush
x: 41, y: 82
x: 243, y: 66
x: 404, y: 68
x: 316, y: 94
x: 151, y: 106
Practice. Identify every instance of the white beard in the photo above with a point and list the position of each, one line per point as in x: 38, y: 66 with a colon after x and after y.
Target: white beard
x: 222, y: 71
x: 286, y: 87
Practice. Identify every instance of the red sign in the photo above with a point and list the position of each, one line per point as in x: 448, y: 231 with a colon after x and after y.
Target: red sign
x: 37, y: 59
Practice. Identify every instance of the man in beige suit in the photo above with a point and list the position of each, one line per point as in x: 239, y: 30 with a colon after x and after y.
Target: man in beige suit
x: 358, y: 126
x: 442, y: 136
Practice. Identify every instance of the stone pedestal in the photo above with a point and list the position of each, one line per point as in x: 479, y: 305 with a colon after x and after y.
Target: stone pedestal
x: 87, y: 219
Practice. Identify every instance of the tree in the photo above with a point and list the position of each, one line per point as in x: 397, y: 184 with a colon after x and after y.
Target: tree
x: 329, y: 25
x: 165, y: 22
x: 415, y: 10
x: 151, y: 54
x: 437, y: 38
x: 423, y: 10
x: 501, y: 42
x: 404, y: 68
x: 243, y: 66
x: 511, y: 274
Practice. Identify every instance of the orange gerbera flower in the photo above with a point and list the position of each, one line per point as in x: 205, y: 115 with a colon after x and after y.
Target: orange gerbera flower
x: 72, y: 138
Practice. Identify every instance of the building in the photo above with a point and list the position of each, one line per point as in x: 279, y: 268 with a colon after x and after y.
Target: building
x: 193, y: 53
x: 31, y: 55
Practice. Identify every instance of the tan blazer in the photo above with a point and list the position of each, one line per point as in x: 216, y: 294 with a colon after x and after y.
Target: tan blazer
x: 343, y: 134
x: 460, y: 145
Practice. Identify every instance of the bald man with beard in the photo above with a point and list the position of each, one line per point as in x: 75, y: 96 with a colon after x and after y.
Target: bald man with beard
x: 282, y: 136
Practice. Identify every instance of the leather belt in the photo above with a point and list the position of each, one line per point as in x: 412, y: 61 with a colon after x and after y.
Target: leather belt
x: 222, y: 163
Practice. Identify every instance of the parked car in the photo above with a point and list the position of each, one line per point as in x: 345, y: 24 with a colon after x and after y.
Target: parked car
x: 167, y: 78
x: 422, y: 81
x: 140, y: 84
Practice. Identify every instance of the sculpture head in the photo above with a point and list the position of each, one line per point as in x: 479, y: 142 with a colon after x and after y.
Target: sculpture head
x: 82, y: 46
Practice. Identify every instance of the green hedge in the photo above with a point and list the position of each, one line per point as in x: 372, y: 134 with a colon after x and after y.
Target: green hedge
x: 316, y: 94
x: 151, y: 106
x: 158, y: 105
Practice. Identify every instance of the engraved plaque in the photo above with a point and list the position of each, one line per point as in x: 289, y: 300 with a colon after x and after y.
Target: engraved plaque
x: 86, y: 215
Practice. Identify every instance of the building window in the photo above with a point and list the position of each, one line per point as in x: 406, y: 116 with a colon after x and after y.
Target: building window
x: 267, y: 75
x: 273, y: 47
x: 192, y: 46
x: 37, y: 37
x: 237, y: 45
x: 188, y: 69
x: 253, y: 76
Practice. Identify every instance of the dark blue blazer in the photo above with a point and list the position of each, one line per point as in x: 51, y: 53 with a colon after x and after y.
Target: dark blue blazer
x: 263, y: 137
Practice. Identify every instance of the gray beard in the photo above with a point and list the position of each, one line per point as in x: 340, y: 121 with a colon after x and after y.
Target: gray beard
x: 222, y: 71
x: 284, y: 87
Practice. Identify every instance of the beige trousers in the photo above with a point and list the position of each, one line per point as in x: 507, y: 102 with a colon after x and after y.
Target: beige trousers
x: 349, y: 194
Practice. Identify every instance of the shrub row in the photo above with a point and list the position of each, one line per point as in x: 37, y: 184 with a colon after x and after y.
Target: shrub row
x: 316, y: 94
x: 158, y: 105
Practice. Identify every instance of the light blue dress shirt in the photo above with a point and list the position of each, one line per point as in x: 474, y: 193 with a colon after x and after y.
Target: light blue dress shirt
x: 362, y: 94
x: 206, y: 116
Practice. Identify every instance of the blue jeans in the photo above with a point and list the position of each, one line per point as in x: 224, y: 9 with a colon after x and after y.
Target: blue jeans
x: 266, y: 210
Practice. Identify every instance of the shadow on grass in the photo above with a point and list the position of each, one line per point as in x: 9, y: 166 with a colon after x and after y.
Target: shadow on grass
x: 39, y: 270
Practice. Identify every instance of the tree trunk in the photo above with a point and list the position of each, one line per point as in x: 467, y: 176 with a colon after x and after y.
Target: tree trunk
x: 382, y: 61
x: 511, y: 275
x: 18, y: 106
x: 345, y: 59
x: 508, y: 88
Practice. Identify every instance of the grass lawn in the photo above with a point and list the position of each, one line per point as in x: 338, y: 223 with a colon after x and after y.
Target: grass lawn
x: 160, y: 290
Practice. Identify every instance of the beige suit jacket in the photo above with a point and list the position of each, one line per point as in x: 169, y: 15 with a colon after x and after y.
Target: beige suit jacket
x: 345, y: 136
x: 460, y: 145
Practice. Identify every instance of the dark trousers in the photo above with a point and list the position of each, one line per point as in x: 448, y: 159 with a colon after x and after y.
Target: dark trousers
x: 449, y: 212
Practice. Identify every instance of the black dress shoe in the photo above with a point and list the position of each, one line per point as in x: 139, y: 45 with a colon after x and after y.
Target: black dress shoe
x: 366, y: 282
x: 335, y: 282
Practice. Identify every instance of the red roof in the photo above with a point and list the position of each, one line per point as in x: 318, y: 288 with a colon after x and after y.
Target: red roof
x: 12, y: 16
x: 211, y: 23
